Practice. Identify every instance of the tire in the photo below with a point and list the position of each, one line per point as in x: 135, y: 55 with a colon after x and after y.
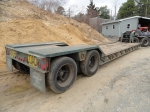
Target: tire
x: 14, y: 63
x: 21, y: 67
x: 145, y: 42
x: 90, y: 65
x: 136, y: 40
x: 63, y: 73
x: 24, y: 68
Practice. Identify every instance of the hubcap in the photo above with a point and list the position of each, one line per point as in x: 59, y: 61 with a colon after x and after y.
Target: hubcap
x: 63, y: 74
x: 92, y: 62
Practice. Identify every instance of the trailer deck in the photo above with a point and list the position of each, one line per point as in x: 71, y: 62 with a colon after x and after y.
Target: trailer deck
x: 57, y: 63
x: 116, y: 47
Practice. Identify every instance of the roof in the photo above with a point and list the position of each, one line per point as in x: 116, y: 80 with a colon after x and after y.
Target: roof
x: 120, y: 20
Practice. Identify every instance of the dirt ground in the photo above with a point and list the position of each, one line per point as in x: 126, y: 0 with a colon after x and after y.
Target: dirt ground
x: 122, y: 85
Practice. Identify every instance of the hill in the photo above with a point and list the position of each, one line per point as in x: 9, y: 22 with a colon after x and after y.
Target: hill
x: 22, y: 22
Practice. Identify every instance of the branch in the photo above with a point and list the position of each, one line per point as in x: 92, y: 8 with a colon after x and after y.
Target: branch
x: 147, y: 3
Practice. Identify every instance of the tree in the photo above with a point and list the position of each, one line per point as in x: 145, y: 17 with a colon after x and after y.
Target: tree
x: 115, y: 4
x: 60, y: 10
x: 143, y: 7
x: 104, y: 12
x: 50, y: 5
x: 91, y: 10
x: 81, y: 17
x: 72, y: 11
x: 127, y: 9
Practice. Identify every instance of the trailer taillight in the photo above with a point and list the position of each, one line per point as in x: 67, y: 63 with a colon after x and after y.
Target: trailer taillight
x: 43, y: 67
x: 43, y: 64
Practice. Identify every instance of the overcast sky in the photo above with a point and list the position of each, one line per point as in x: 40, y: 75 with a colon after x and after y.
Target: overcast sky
x: 98, y: 3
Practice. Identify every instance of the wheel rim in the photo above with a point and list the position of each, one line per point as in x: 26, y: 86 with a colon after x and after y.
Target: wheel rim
x: 93, y: 63
x: 64, y: 75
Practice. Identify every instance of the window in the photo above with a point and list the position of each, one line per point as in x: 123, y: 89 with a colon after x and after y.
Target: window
x: 128, y: 26
x: 106, y: 27
x: 113, y: 26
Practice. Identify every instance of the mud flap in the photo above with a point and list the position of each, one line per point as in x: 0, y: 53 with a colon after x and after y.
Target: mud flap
x: 9, y: 63
x: 37, y: 80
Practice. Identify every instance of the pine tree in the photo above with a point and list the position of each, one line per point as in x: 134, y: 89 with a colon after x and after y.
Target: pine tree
x: 143, y: 7
x: 104, y: 12
x: 91, y: 10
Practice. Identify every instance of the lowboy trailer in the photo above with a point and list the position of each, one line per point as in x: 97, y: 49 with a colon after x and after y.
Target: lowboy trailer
x: 55, y: 65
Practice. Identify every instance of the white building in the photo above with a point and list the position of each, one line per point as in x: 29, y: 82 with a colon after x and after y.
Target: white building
x: 115, y: 28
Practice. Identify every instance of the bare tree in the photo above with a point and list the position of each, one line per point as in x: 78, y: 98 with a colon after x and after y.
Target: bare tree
x: 50, y: 5
x: 74, y: 10
x: 115, y: 4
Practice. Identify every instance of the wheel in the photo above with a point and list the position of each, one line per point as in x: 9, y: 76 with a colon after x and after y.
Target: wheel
x: 145, y: 42
x: 62, y: 74
x: 90, y: 65
x: 136, y: 40
x: 24, y: 68
x: 14, y: 63
x: 21, y: 67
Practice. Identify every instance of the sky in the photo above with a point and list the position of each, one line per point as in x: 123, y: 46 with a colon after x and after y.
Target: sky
x: 98, y: 3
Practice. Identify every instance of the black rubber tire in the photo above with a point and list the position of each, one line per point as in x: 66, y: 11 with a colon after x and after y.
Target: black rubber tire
x: 145, y: 42
x: 85, y: 65
x: 55, y: 77
x: 24, y: 68
x: 136, y: 40
x: 14, y: 63
x: 21, y: 67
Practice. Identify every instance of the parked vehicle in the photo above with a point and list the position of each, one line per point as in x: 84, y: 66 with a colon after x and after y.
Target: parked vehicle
x: 141, y: 35
x: 55, y: 65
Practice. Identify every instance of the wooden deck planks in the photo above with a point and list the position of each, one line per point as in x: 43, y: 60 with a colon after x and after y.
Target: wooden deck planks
x: 116, y: 47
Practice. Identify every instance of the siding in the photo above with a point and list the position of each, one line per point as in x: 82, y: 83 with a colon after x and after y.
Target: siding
x: 133, y: 25
x: 120, y: 27
x: 110, y: 31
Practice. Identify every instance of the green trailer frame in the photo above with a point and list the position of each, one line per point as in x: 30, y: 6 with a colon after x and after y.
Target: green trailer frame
x: 38, y: 57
